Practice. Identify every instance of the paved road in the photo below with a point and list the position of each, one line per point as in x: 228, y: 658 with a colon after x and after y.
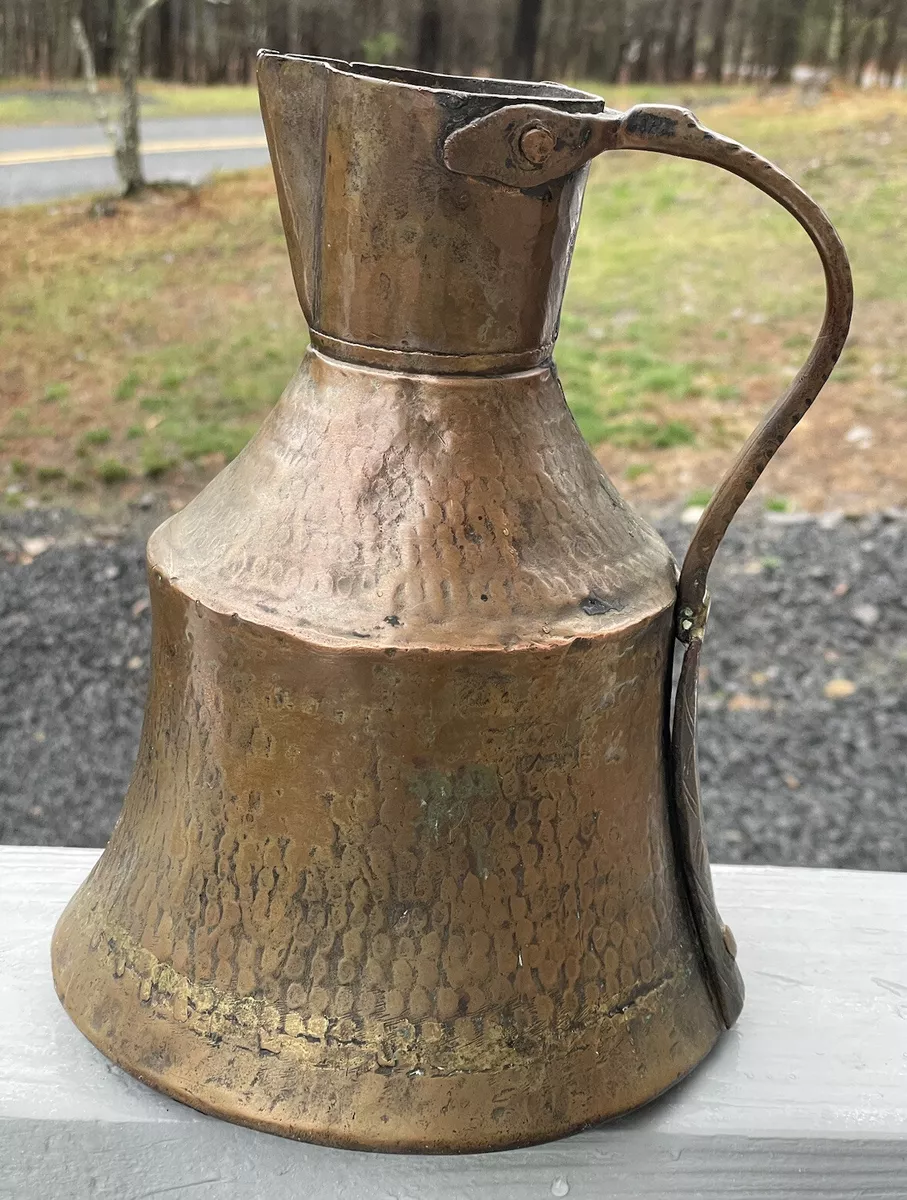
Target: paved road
x: 49, y: 162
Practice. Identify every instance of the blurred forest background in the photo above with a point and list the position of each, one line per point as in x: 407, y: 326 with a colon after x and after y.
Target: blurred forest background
x: 633, y: 41
x: 142, y: 343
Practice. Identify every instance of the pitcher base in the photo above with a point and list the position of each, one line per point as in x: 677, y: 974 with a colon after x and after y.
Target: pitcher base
x: 281, y: 1082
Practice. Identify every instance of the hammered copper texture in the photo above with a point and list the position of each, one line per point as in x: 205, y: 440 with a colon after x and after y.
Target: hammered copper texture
x: 399, y: 812
x: 433, y: 911
x: 402, y: 864
x: 390, y: 510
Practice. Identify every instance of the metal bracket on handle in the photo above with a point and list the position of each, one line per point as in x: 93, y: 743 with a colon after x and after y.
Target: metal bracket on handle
x: 525, y: 145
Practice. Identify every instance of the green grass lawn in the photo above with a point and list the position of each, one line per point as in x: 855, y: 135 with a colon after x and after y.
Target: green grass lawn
x: 148, y: 345
x: 32, y: 102
x: 26, y: 102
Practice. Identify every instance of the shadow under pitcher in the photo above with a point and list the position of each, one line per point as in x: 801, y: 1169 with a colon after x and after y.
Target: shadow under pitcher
x: 412, y: 857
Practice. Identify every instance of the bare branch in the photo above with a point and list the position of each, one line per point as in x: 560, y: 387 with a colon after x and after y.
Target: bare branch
x: 91, y: 81
x: 137, y: 17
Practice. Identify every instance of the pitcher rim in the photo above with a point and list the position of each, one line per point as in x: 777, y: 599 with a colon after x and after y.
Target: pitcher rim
x: 512, y: 91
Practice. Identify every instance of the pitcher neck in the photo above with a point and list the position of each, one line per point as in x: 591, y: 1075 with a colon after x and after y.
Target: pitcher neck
x: 398, y: 260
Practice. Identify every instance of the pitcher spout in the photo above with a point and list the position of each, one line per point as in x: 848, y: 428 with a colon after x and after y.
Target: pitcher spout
x: 399, y: 261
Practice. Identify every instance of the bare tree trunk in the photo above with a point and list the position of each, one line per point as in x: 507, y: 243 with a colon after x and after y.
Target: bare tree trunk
x: 619, y: 53
x: 639, y: 72
x: 762, y: 40
x: 61, y: 63
x: 721, y: 19
x: 688, y: 54
x: 101, y: 111
x: 739, y: 46
x: 789, y: 34
x: 428, y: 51
x: 525, y: 40
x: 608, y: 42
x: 866, y: 46
x: 293, y: 39
x: 844, y: 25
x: 889, y: 55
x: 128, y: 155
x: 558, y: 39
x: 124, y: 138
x: 818, y: 28
x: 671, y: 40
x: 642, y: 34
x: 165, y: 43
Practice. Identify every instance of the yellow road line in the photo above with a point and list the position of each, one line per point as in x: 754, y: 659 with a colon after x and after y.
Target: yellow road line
x: 20, y: 158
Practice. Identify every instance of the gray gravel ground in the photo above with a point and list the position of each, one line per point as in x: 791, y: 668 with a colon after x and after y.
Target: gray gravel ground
x: 791, y: 774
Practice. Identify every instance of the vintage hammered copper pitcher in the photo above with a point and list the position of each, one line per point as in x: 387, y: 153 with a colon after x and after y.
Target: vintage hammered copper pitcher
x: 412, y: 858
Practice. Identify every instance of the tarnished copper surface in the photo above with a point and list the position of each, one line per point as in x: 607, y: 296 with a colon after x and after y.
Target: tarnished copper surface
x: 409, y: 861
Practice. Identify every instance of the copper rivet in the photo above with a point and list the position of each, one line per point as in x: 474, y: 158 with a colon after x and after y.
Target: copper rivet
x: 536, y: 144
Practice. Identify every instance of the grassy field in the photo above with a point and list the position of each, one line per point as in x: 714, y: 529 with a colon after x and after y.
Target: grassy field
x: 140, y: 350
x: 27, y: 102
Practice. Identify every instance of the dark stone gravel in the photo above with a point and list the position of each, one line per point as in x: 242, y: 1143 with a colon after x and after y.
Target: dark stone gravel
x: 790, y: 775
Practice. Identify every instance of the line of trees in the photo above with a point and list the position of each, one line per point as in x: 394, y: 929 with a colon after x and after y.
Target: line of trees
x: 214, y: 41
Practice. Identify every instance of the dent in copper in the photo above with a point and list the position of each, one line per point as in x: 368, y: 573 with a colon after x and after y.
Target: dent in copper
x: 402, y: 865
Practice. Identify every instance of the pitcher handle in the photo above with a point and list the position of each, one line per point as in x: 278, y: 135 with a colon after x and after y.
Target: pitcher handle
x: 528, y: 145
x: 673, y: 131
x: 669, y: 130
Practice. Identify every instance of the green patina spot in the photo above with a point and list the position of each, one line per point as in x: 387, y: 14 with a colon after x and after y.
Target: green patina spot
x: 445, y: 797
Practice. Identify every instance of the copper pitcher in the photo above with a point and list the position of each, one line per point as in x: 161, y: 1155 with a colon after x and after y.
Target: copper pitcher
x: 412, y: 857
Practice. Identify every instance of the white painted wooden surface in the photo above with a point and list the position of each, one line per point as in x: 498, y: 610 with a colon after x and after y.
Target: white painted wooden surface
x: 806, y: 1097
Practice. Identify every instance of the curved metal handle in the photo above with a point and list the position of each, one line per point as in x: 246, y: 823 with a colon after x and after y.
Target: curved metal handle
x: 674, y: 131
x: 526, y: 146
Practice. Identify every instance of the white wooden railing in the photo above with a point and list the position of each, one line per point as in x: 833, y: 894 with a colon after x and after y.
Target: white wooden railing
x: 807, y: 1096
